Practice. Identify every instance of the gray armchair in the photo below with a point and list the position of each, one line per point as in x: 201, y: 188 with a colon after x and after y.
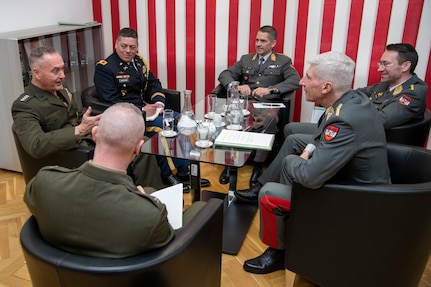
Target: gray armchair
x: 193, y: 258
x: 365, y: 235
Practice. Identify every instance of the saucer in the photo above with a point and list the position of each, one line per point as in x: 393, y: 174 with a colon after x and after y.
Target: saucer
x: 199, y: 144
x: 168, y: 134
x: 222, y: 124
x: 234, y: 127
x: 209, y: 116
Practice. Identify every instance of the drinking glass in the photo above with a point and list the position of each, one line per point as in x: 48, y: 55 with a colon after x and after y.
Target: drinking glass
x: 204, y: 132
x: 168, y: 123
x: 211, y: 105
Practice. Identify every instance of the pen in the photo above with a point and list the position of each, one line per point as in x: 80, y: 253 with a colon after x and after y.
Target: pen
x: 270, y: 105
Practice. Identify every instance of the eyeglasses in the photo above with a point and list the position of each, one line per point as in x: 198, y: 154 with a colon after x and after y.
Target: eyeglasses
x: 384, y: 64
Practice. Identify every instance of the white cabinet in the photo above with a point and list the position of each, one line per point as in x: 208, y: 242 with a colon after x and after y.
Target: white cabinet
x: 80, y: 46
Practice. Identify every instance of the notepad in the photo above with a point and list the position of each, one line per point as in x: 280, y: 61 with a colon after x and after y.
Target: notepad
x: 247, y: 140
x: 172, y: 197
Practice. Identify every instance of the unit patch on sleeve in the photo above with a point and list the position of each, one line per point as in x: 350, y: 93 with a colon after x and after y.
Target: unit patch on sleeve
x: 405, y: 100
x: 331, y: 132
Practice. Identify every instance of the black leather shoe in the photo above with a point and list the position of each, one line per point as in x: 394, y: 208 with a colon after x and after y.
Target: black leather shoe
x: 271, y: 260
x: 173, y: 180
x: 183, y: 175
x: 224, y: 176
x: 186, y: 179
x: 205, y: 182
x: 249, y: 195
x: 257, y: 172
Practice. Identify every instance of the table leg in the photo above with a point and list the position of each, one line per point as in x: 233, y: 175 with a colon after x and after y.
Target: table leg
x: 195, y: 180
x: 237, y: 215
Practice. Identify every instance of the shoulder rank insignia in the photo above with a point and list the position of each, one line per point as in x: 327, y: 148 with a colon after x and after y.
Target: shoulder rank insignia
x: 398, y: 90
x: 25, y: 98
x: 412, y: 87
x: 330, y: 133
x: 405, y: 100
x: 102, y: 62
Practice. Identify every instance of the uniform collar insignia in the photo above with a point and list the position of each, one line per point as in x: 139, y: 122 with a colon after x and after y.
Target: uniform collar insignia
x: 397, y: 90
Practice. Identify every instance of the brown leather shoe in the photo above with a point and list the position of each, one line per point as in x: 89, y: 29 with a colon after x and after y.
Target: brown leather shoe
x: 271, y: 260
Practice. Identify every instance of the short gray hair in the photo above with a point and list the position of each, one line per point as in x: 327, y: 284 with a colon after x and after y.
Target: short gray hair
x: 37, y: 54
x: 334, y: 67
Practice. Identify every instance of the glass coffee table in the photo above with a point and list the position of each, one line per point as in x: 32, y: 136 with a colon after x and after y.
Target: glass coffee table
x: 238, y: 215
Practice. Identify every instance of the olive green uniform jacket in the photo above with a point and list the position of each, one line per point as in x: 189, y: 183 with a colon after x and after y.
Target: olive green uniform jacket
x: 96, y: 211
x: 45, y: 123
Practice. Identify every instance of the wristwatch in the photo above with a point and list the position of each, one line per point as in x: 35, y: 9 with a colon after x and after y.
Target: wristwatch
x: 273, y: 90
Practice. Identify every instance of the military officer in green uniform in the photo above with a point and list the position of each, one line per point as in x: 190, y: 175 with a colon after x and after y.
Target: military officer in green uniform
x: 96, y: 209
x: 48, y: 120
x: 46, y: 117
x: 265, y: 75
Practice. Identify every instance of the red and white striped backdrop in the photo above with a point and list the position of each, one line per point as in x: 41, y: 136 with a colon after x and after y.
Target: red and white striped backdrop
x: 189, y: 42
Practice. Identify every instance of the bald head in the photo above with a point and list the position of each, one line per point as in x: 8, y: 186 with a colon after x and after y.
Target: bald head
x: 121, y: 127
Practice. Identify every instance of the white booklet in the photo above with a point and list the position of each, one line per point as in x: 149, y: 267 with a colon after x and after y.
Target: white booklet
x: 247, y: 140
x: 172, y: 197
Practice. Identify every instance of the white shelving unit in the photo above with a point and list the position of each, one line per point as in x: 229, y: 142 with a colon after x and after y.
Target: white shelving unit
x: 80, y: 46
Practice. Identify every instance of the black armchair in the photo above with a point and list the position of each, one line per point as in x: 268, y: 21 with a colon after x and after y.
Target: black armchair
x: 68, y: 158
x: 365, y: 235
x: 89, y: 97
x: 412, y: 133
x: 193, y: 258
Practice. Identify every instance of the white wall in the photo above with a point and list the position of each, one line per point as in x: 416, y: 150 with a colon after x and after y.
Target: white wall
x: 23, y: 14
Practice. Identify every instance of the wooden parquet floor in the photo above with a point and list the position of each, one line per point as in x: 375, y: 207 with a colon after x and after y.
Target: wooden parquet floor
x: 13, y: 213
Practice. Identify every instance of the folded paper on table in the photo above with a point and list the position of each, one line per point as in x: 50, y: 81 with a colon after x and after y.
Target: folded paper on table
x: 172, y: 197
x: 248, y: 140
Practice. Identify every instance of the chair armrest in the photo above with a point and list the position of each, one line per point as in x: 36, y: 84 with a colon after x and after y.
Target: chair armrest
x: 356, y: 229
x: 220, y: 91
x: 192, y: 258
